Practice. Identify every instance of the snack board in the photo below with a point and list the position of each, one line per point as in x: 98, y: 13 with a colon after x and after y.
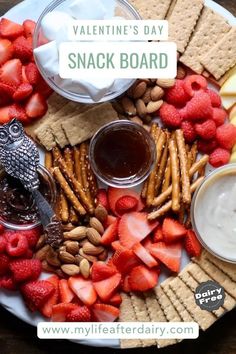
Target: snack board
x: 13, y: 302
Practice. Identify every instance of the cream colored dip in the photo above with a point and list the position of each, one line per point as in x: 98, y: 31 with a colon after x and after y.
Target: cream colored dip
x: 215, y: 213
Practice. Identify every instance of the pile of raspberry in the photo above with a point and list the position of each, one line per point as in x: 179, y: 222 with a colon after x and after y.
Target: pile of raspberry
x: 197, y: 110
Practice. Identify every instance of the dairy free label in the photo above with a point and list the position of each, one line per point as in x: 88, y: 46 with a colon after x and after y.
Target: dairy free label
x: 209, y: 295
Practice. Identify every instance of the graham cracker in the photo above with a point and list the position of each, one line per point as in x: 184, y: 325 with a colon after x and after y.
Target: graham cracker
x: 200, y: 276
x: 228, y: 268
x: 204, y: 318
x: 210, y: 28
x: 226, y: 76
x: 46, y: 138
x: 83, y: 126
x: 142, y: 315
x: 222, y: 56
x: 172, y: 5
x: 216, y: 274
x: 152, y: 9
x: 182, y: 21
x: 127, y: 314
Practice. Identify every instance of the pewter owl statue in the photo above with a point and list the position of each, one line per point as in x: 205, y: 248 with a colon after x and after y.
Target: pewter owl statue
x: 19, y: 155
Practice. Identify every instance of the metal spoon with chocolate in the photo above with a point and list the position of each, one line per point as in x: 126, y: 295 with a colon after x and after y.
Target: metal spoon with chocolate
x: 19, y: 157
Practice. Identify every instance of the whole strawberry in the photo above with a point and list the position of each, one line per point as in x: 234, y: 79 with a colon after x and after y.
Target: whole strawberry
x: 219, y: 157
x: 189, y: 131
x: 226, y: 136
x: 170, y: 116
x: 206, y: 130
x: 198, y: 108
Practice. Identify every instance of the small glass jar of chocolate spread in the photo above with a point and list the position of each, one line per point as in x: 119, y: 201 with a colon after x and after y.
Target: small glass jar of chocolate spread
x: 122, y: 154
x: 17, y: 207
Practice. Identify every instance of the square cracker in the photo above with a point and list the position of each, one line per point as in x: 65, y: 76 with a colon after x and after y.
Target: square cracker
x: 182, y: 21
x: 46, y: 138
x: 210, y: 28
x: 152, y: 9
x: 227, y: 268
x: 83, y: 126
x: 222, y: 56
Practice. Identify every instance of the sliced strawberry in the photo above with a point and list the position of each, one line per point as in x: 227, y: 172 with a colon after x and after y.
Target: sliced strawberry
x: 46, y: 309
x: 11, y: 73
x: 83, y: 289
x: 126, y: 204
x: 66, y: 295
x: 32, y: 74
x: 6, y: 93
x: 192, y: 245
x: 24, y: 77
x: 81, y: 314
x: 116, y: 246
x: 17, y: 111
x: 36, y: 293
x: 29, y: 27
x: 114, y: 194
x: 142, y: 279
x: 144, y: 255
x: 101, y: 271
x: 133, y: 228
x: 170, y: 255
x: 60, y: 311
x: 4, y: 114
x: 110, y: 220
x: 115, y: 300
x: 23, y: 91
x: 172, y: 230
x: 36, y: 106
x: 43, y: 88
x: 10, y: 29
x: 102, y: 198
x: 105, y: 313
x: 6, y: 51
x: 22, y: 49
x: 110, y: 234
x: 125, y: 261
x: 106, y: 288
x: 158, y: 234
x: 147, y: 242
x: 125, y: 284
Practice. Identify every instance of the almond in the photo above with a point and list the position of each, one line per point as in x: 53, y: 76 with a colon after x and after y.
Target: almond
x: 139, y: 89
x: 72, y: 247
x: 93, y: 236
x: 137, y: 120
x: 70, y: 269
x: 101, y: 213
x: 165, y: 83
x: 40, y: 243
x: 42, y: 253
x: 103, y: 256
x: 181, y: 73
x: 92, y: 250
x: 46, y: 267
x: 157, y: 93
x: 147, y: 95
x: 52, y: 258
x: 62, y: 248
x: 76, y: 234
x: 87, y: 256
x: 66, y: 257
x: 60, y: 273
x: 97, y: 225
x: 141, y: 108
x: 128, y: 106
x: 154, y: 106
x: 78, y: 259
x: 118, y: 107
x: 85, y: 268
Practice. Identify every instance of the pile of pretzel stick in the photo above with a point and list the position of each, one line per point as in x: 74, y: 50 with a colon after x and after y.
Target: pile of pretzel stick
x: 76, y: 183
x: 175, y: 176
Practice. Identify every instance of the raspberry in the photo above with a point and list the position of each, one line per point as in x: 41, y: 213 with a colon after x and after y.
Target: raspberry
x: 176, y: 95
x: 189, y: 131
x: 198, y: 108
x: 219, y: 116
x: 170, y: 116
x: 3, y: 244
x: 17, y: 245
x: 219, y: 157
x: 32, y: 236
x: 226, y: 136
x: 215, y: 98
x: 4, y: 264
x: 206, y: 130
x: 7, y: 282
x: 206, y: 147
x: 194, y: 83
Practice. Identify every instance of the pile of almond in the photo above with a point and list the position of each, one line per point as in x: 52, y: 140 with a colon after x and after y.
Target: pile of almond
x: 80, y: 248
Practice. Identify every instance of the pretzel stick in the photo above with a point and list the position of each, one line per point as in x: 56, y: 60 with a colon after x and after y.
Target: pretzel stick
x: 77, y: 165
x: 73, y: 217
x: 68, y: 191
x: 48, y: 160
x: 151, y: 182
x: 192, y: 155
x: 144, y: 190
x: 56, y: 153
x: 196, y: 166
x: 64, y: 211
x: 92, y: 181
x: 167, y: 177
x: 84, y: 174
x: 181, y: 214
x: 175, y: 175
x: 167, y: 207
x: 185, y: 182
x: 68, y: 157
x: 77, y: 187
x: 161, y: 170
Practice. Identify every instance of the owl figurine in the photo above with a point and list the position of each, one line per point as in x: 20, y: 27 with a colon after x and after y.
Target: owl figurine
x: 19, y: 156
